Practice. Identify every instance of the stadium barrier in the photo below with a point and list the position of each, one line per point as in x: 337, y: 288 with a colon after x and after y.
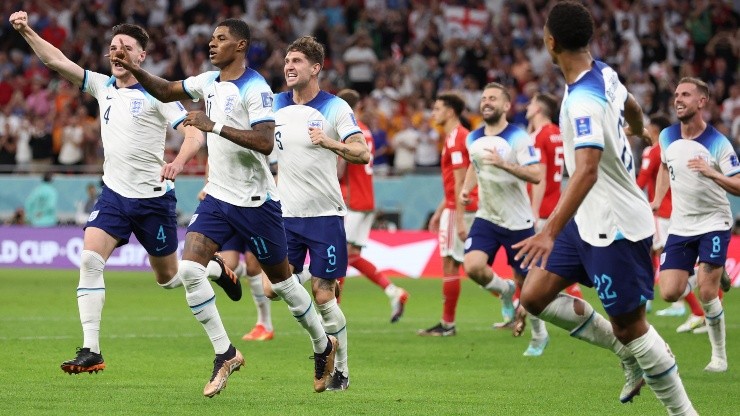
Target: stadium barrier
x: 412, y: 254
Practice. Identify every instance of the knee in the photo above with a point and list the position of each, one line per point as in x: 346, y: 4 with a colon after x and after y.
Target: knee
x: 531, y: 302
x: 671, y: 293
x: 267, y: 287
x: 191, y: 273
x: 91, y: 261
x: 475, y: 271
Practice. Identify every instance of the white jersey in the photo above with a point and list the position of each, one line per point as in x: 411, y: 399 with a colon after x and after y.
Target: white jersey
x: 133, y: 125
x: 502, y: 197
x: 236, y: 175
x: 307, y: 173
x: 592, y: 116
x: 699, y: 204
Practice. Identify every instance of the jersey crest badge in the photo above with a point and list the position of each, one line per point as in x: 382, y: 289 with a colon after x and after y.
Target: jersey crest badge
x: 583, y: 126
x: 317, y: 124
x: 266, y: 100
x: 137, y: 107
x: 229, y: 106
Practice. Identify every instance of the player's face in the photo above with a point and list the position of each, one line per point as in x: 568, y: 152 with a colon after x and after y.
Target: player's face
x: 224, y: 47
x: 298, y: 70
x: 687, y: 101
x: 549, y: 43
x: 532, y: 109
x: 440, y: 113
x: 493, y: 105
x: 137, y: 54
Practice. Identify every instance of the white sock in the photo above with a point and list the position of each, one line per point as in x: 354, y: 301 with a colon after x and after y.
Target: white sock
x: 91, y: 298
x: 300, y: 305
x: 241, y: 269
x: 661, y: 372
x: 303, y: 276
x: 336, y: 324
x: 391, y: 290
x: 264, y: 315
x: 690, y: 285
x: 715, y: 317
x: 590, y: 327
x: 539, y: 330
x: 202, y: 301
x: 175, y: 282
x: 213, y: 270
x: 497, y: 285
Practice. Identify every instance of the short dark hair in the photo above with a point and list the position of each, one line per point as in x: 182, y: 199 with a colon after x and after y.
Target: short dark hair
x: 661, y: 121
x: 309, y: 46
x: 238, y: 28
x: 571, y: 25
x: 135, y: 31
x: 501, y: 87
x: 700, y: 85
x: 453, y: 101
x: 351, y: 96
x: 549, y: 105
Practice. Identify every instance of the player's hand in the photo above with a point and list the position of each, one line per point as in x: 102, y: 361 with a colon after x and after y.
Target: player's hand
x: 699, y: 164
x: 644, y: 135
x: 491, y: 157
x: 202, y: 194
x: 318, y: 137
x: 534, y: 251
x: 465, y: 197
x: 122, y: 56
x: 434, y: 223
x: 199, y: 120
x: 170, y: 171
x: 19, y: 20
x: 462, y: 232
x: 654, y: 205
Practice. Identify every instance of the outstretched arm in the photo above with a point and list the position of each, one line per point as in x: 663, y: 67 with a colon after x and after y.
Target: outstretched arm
x: 161, y: 89
x: 48, y: 53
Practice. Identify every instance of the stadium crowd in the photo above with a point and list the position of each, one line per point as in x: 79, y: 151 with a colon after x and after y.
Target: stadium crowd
x: 398, y: 53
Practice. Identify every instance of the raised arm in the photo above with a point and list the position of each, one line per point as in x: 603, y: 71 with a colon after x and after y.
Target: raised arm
x: 48, y: 53
x: 161, y: 89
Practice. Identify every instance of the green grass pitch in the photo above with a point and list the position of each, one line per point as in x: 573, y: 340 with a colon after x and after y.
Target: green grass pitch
x: 159, y: 358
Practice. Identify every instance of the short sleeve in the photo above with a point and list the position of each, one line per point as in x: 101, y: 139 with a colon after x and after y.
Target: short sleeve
x: 259, y: 100
x: 173, y: 112
x: 345, y: 122
x: 586, y: 115
x: 526, y: 154
x: 93, y: 83
x: 727, y: 159
x: 193, y: 86
x: 457, y: 149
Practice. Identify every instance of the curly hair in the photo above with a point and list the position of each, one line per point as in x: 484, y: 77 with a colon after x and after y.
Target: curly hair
x: 453, y: 101
x: 309, y: 46
x: 135, y: 31
x: 571, y: 25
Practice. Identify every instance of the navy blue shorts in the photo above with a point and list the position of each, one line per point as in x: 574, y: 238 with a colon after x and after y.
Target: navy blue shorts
x: 152, y: 220
x: 489, y: 237
x: 621, y: 273
x: 325, y: 241
x: 261, y: 227
x: 235, y: 243
x: 682, y: 252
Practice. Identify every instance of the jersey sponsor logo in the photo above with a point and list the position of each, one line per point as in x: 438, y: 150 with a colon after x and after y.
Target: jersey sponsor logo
x: 230, y: 103
x: 733, y: 161
x: 158, y: 249
x: 456, y: 158
x: 137, y: 107
x: 211, y: 95
x: 583, y: 126
x: 93, y: 215
x: 107, y: 97
x: 266, y: 100
x: 316, y: 124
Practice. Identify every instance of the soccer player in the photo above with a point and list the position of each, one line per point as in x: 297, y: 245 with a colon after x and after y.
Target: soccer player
x: 600, y: 232
x: 451, y: 220
x: 504, y: 160
x: 312, y: 128
x: 356, y: 182
x: 700, y: 165
x: 138, y: 194
x: 542, y: 112
x: 241, y: 194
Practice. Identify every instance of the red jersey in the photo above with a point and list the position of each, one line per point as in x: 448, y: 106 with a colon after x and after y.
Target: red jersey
x: 455, y: 156
x: 547, y: 141
x: 648, y: 177
x: 357, y: 182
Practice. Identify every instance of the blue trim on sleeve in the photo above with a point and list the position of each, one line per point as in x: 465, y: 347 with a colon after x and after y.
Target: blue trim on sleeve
x: 350, y: 134
x: 186, y: 90
x: 531, y: 163
x: 589, y: 145
x: 177, y: 122
x: 733, y: 173
x: 84, y: 80
x: 264, y: 120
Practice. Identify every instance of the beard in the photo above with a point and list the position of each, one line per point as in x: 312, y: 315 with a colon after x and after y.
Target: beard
x: 688, y: 115
x: 494, y: 118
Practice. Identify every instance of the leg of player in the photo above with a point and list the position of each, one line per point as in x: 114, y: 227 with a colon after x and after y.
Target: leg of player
x: 450, y: 295
x: 198, y: 252
x: 396, y: 295
x: 335, y: 324
x: 263, y: 330
x: 541, y: 297
x: 709, y: 285
x: 168, y: 278
x: 285, y: 285
x: 97, y: 247
x: 477, y: 268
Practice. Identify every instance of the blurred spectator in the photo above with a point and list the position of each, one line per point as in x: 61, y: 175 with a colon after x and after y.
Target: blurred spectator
x: 405, y: 143
x: 41, y: 204
x: 71, y: 155
x: 41, y: 145
x: 9, y: 137
x: 427, y: 150
x: 360, y: 59
x: 84, y: 208
x: 382, y: 152
x: 18, y: 218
